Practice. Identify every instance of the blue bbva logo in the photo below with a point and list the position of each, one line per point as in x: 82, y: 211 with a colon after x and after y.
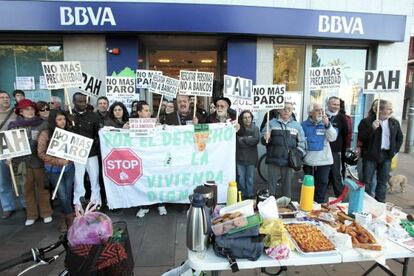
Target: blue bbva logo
x: 81, y: 16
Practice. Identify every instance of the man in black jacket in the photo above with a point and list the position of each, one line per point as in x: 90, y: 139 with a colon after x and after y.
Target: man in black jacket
x: 338, y: 121
x: 86, y: 124
x: 184, y: 115
x: 381, y: 139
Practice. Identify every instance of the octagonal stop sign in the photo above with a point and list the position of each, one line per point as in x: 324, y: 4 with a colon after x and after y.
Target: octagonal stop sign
x: 123, y: 167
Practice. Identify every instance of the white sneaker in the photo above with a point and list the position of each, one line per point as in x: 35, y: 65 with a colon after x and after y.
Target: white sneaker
x: 47, y: 220
x: 162, y: 211
x: 141, y: 212
x: 29, y: 222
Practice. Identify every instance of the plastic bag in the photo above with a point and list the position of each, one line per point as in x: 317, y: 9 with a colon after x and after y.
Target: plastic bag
x: 268, y: 208
x: 89, y: 227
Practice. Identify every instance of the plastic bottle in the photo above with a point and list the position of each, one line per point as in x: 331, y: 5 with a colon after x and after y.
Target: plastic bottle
x: 232, y: 193
x: 306, y: 194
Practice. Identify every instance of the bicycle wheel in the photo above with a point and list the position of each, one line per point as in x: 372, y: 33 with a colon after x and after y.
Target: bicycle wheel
x: 262, y: 168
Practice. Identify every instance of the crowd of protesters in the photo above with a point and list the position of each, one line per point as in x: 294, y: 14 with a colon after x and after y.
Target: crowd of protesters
x: 322, y: 139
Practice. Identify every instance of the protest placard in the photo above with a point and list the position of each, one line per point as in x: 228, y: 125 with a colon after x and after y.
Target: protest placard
x: 196, y: 83
x: 237, y: 87
x: 144, y: 77
x: 381, y: 81
x: 25, y: 83
x: 164, y: 85
x: 120, y: 87
x: 14, y: 143
x: 142, y: 127
x: 329, y: 77
x: 60, y: 75
x: 90, y: 85
x: 69, y: 146
x: 266, y: 97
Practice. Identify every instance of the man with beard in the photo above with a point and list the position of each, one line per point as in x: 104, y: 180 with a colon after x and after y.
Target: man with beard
x: 184, y: 115
x: 223, y: 111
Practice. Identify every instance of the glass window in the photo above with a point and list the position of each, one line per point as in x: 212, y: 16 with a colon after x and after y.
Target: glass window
x: 353, y: 62
x: 289, y: 66
x: 25, y: 61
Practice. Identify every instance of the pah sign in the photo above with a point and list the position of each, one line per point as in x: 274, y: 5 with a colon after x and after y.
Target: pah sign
x: 237, y: 87
x: 381, y: 81
x: 14, y: 143
x: 90, y: 85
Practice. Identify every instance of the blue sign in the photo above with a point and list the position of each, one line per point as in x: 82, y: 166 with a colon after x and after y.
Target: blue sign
x: 61, y: 16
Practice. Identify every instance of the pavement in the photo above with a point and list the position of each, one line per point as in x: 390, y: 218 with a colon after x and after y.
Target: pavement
x: 158, y: 242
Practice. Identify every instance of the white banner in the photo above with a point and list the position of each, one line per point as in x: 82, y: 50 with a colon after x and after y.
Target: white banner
x: 325, y: 77
x: 237, y: 87
x: 195, y: 83
x: 14, y: 143
x: 142, y: 127
x: 70, y: 146
x: 166, y: 167
x: 144, y: 77
x: 384, y: 81
x: 25, y: 83
x: 60, y: 75
x: 90, y: 85
x: 164, y: 85
x: 120, y: 87
x: 267, y: 97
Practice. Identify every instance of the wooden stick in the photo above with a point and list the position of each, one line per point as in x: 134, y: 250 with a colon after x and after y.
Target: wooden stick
x: 267, y: 124
x: 58, y: 182
x: 68, y: 104
x: 159, y: 107
x: 13, y: 178
x: 195, y: 106
x: 378, y: 104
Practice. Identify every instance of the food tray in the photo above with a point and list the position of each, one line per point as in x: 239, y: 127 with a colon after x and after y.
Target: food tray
x: 315, y: 253
x: 252, y: 221
x: 230, y: 224
x: 289, y: 213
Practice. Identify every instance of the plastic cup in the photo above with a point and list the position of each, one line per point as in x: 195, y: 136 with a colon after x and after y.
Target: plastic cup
x: 388, y: 206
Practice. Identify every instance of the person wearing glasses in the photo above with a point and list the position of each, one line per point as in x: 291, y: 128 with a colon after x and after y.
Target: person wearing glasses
x: 44, y: 110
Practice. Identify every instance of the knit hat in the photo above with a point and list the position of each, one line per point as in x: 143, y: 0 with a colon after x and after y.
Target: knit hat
x: 222, y: 99
x: 23, y: 104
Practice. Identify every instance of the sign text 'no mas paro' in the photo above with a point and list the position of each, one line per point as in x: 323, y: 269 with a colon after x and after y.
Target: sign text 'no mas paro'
x: 266, y: 97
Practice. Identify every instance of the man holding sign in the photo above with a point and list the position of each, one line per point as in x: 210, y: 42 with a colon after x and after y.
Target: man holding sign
x: 183, y: 115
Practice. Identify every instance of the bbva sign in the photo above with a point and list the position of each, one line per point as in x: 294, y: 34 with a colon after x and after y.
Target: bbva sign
x: 81, y: 16
x: 340, y: 24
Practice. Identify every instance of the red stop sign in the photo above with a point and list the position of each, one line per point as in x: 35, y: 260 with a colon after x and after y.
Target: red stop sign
x: 123, y: 167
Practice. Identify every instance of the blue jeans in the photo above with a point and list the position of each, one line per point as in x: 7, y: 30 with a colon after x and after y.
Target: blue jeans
x: 245, y: 175
x: 383, y: 168
x: 321, y: 178
x: 65, y: 191
x: 6, y: 190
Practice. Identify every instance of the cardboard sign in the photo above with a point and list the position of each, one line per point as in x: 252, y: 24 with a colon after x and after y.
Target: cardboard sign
x: 90, y: 85
x: 142, y: 127
x: 120, y: 87
x: 14, y: 143
x: 164, y: 85
x: 195, y: 83
x: 325, y: 77
x: 60, y: 75
x: 144, y: 78
x: 266, y: 97
x: 237, y: 87
x: 384, y: 81
x: 70, y: 146
x: 25, y: 83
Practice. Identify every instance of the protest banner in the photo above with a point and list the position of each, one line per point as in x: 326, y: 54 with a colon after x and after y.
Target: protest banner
x: 25, y: 83
x: 329, y: 77
x: 267, y: 97
x: 381, y: 81
x: 237, y: 87
x: 142, y: 127
x: 90, y: 85
x: 144, y: 78
x: 14, y: 143
x: 196, y: 83
x: 166, y: 167
x: 164, y: 85
x: 63, y: 74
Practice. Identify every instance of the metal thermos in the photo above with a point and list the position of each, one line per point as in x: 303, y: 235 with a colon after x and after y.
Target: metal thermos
x: 208, y: 194
x: 198, y: 223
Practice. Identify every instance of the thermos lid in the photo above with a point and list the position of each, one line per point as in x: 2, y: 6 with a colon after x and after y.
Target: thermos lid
x: 198, y: 200
x: 232, y: 184
x: 308, y: 180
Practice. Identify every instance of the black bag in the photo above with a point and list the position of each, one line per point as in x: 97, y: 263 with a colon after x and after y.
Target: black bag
x: 295, y: 159
x: 243, y: 245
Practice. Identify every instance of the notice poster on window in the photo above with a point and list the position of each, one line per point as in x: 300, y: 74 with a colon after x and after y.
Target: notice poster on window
x: 144, y: 78
x: 42, y: 83
x: 384, y: 81
x: 237, y: 87
x: 195, y: 83
x: 325, y: 77
x: 39, y: 95
x: 60, y: 75
x: 164, y: 85
x: 267, y: 97
x: 25, y: 83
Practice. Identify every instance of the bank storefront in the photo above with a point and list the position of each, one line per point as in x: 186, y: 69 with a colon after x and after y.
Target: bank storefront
x: 266, y: 44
